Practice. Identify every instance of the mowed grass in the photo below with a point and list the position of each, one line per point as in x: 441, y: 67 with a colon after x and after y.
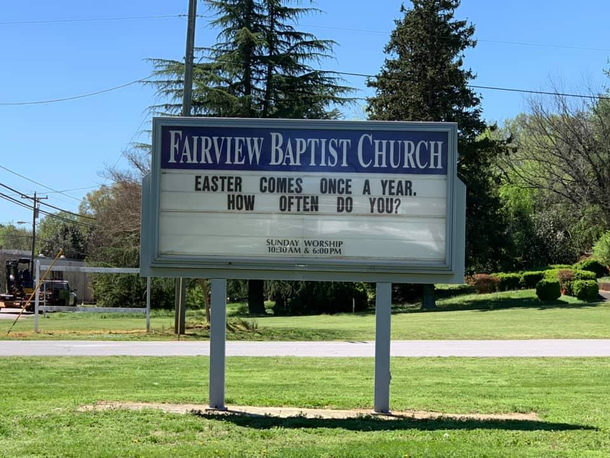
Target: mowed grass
x: 507, y: 315
x: 39, y: 414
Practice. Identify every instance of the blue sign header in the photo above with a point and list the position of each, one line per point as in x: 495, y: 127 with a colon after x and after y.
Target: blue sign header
x: 304, y: 150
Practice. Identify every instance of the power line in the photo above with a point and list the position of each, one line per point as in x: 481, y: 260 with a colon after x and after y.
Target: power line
x: 480, y: 40
x: 38, y: 183
x: 74, y: 97
x: 73, y: 189
x: 365, y: 75
x: 15, y: 201
x: 63, y: 21
x: 491, y: 88
x: 46, y: 204
x: 474, y: 86
x: 345, y: 29
x: 29, y: 207
x: 68, y: 212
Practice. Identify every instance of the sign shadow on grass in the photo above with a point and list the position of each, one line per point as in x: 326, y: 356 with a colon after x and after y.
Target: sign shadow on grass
x: 371, y: 423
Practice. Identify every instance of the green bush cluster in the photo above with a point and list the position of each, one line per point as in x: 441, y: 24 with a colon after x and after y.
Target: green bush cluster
x: 592, y: 265
x: 509, y: 282
x: 529, y: 280
x: 548, y: 290
x: 563, y: 275
x: 585, y: 290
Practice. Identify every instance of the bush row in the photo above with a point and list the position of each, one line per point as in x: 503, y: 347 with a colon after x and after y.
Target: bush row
x: 550, y: 284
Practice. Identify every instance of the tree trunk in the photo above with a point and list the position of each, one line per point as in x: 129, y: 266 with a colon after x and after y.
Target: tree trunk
x: 205, y: 288
x: 256, y: 297
x: 429, y: 301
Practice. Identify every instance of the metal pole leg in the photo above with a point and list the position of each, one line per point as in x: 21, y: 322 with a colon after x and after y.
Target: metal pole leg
x: 383, y: 321
x: 217, y: 344
x: 148, y: 287
x: 37, y: 298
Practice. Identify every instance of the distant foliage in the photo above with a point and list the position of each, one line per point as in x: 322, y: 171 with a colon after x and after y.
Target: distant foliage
x: 586, y: 290
x: 129, y: 290
x: 304, y: 298
x: 15, y: 238
x: 548, y: 290
x: 407, y: 293
x: 601, y: 249
x: 484, y: 284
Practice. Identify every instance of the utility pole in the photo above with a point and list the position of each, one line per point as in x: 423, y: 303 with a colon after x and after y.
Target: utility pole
x: 34, y: 216
x: 180, y: 316
x: 190, y: 50
x: 35, y: 199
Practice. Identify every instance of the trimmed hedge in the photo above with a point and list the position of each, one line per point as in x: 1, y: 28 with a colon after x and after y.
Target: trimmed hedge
x: 586, y: 290
x: 529, y: 280
x: 509, y: 282
x: 584, y: 275
x: 548, y: 290
x: 592, y: 265
x: 553, y: 274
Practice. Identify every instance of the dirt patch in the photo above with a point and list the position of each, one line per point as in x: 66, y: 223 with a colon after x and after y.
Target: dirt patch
x: 287, y: 412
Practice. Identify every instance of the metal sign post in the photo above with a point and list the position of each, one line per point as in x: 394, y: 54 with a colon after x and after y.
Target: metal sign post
x: 383, y: 324
x: 218, y: 331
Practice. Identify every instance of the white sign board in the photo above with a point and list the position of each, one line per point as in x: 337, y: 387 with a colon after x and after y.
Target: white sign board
x: 303, y: 199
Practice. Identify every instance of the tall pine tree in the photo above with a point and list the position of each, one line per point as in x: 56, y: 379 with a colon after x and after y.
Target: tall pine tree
x: 260, y: 67
x: 424, y: 79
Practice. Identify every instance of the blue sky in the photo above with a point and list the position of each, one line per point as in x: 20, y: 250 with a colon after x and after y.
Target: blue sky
x: 522, y: 44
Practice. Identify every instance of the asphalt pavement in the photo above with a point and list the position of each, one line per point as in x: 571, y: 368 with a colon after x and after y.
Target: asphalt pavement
x: 333, y: 349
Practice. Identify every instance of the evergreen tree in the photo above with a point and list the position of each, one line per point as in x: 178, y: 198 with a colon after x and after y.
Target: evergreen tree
x: 261, y: 67
x: 424, y: 79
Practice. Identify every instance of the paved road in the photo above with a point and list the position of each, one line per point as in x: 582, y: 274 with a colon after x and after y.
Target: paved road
x: 12, y: 313
x: 407, y: 348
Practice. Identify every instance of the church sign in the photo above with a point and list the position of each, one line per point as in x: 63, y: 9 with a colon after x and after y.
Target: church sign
x: 294, y: 199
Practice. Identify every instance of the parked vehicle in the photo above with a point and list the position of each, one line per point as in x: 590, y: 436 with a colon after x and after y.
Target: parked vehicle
x: 20, y: 286
x: 19, y: 283
x: 58, y: 292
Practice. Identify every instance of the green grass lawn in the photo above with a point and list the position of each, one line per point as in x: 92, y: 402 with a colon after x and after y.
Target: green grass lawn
x: 508, y: 315
x: 39, y: 414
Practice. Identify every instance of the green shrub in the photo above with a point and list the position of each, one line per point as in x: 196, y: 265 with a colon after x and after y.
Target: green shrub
x: 530, y: 279
x: 584, y: 275
x: 601, y: 249
x: 592, y: 265
x: 586, y: 290
x: 509, y: 282
x: 548, y: 290
x: 484, y: 283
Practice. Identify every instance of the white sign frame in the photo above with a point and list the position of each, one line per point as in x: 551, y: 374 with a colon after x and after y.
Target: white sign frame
x: 153, y: 263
